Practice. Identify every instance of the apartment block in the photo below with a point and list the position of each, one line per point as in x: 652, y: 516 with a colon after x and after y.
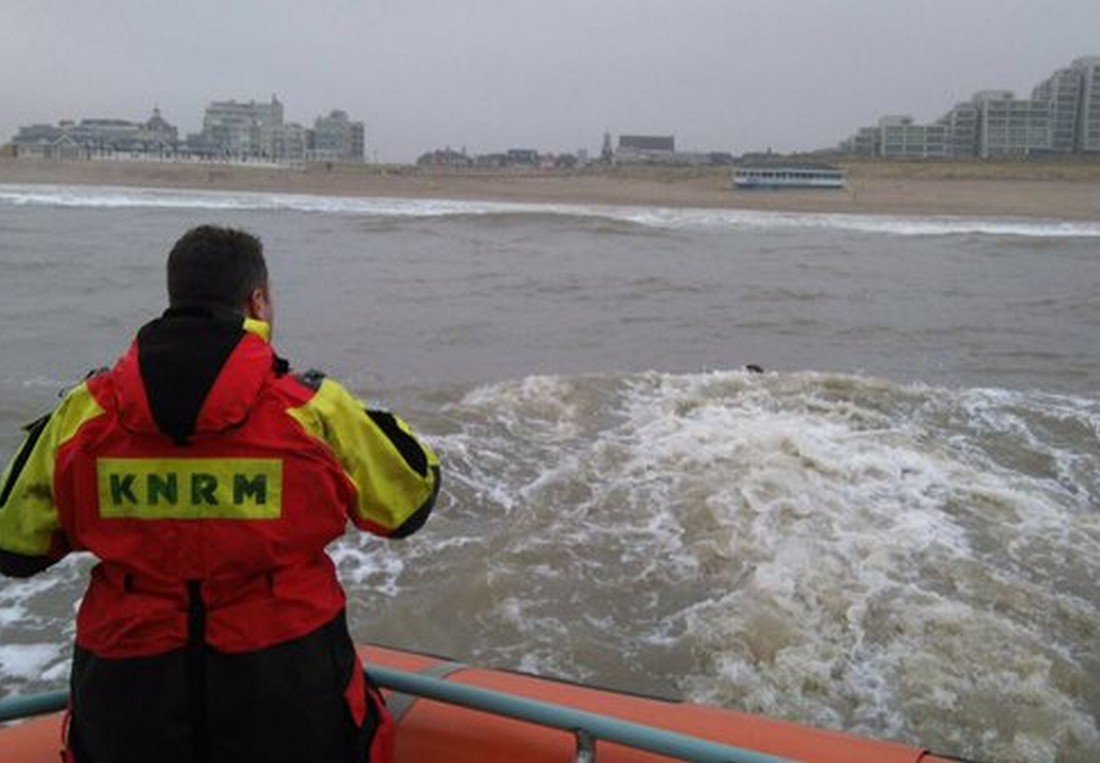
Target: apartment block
x: 961, y: 124
x: 867, y: 142
x: 1062, y: 94
x: 289, y: 143
x: 1062, y: 116
x: 245, y: 130
x: 1088, y: 122
x: 1008, y: 126
x: 337, y: 138
x: 900, y: 138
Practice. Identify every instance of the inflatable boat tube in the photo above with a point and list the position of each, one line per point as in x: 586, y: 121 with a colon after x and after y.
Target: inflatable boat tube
x: 447, y: 710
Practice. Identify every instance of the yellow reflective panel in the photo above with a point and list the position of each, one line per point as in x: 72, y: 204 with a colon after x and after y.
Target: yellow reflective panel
x: 79, y: 408
x: 190, y: 488
x: 258, y: 327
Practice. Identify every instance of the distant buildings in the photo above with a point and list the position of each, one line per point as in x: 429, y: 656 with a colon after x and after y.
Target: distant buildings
x: 1061, y: 117
x: 898, y: 136
x: 1062, y: 91
x: 1088, y: 123
x: 445, y: 157
x: 256, y: 131
x: 290, y: 144
x: 522, y: 157
x: 1008, y: 126
x: 606, y: 152
x: 645, y: 149
x: 513, y: 158
x: 336, y: 138
x: 632, y: 149
x: 231, y: 131
x: 96, y: 138
x: 961, y: 125
x: 661, y: 149
x: 245, y: 130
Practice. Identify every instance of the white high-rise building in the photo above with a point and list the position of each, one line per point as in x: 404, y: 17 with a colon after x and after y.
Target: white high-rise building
x: 289, y: 144
x: 1008, y: 126
x: 337, y: 138
x: 1062, y: 93
x: 1062, y: 117
x: 245, y: 130
x: 899, y: 138
x: 1088, y: 119
x: 961, y: 124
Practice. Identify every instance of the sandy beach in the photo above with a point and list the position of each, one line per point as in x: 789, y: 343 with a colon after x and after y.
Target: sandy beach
x: 1069, y: 191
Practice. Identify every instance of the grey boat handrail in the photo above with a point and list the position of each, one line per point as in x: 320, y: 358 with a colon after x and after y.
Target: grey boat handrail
x: 602, y: 727
x: 14, y: 708
x: 579, y: 722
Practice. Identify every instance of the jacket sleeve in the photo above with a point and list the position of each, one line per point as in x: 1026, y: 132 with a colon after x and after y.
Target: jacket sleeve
x: 30, y: 532
x: 396, y: 475
x: 31, y: 536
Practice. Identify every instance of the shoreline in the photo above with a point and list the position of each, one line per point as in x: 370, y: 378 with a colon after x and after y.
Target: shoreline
x: 1057, y: 191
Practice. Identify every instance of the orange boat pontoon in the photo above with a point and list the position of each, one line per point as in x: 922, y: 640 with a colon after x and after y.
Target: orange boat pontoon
x: 448, y: 711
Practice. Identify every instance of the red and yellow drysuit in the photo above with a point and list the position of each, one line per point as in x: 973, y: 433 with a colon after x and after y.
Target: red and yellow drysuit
x: 208, y: 480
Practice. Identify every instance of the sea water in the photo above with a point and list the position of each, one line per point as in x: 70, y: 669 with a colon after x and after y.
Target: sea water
x: 894, y: 530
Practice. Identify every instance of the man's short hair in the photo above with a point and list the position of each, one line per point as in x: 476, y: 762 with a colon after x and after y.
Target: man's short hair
x: 211, y: 265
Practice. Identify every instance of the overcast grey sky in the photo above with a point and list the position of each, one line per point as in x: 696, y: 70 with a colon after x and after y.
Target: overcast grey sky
x: 732, y: 75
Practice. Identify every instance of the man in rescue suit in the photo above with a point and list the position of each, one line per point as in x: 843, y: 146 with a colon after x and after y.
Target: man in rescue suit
x: 208, y: 479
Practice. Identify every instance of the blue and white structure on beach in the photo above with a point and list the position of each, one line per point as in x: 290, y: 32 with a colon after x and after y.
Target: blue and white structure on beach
x: 788, y: 176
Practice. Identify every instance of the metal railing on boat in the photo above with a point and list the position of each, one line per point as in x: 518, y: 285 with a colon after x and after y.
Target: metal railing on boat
x: 586, y: 727
x: 14, y: 708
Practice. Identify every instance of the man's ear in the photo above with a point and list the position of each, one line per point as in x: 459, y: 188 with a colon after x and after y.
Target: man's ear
x: 259, y: 305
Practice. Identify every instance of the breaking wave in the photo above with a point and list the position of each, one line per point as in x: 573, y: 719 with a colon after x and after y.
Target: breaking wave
x: 649, y: 217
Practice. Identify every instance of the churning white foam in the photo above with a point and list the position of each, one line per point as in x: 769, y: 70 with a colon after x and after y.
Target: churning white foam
x: 901, y: 561
x: 27, y: 661
x: 656, y: 217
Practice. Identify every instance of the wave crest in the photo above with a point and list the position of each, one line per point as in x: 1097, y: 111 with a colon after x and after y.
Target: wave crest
x: 493, y: 212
